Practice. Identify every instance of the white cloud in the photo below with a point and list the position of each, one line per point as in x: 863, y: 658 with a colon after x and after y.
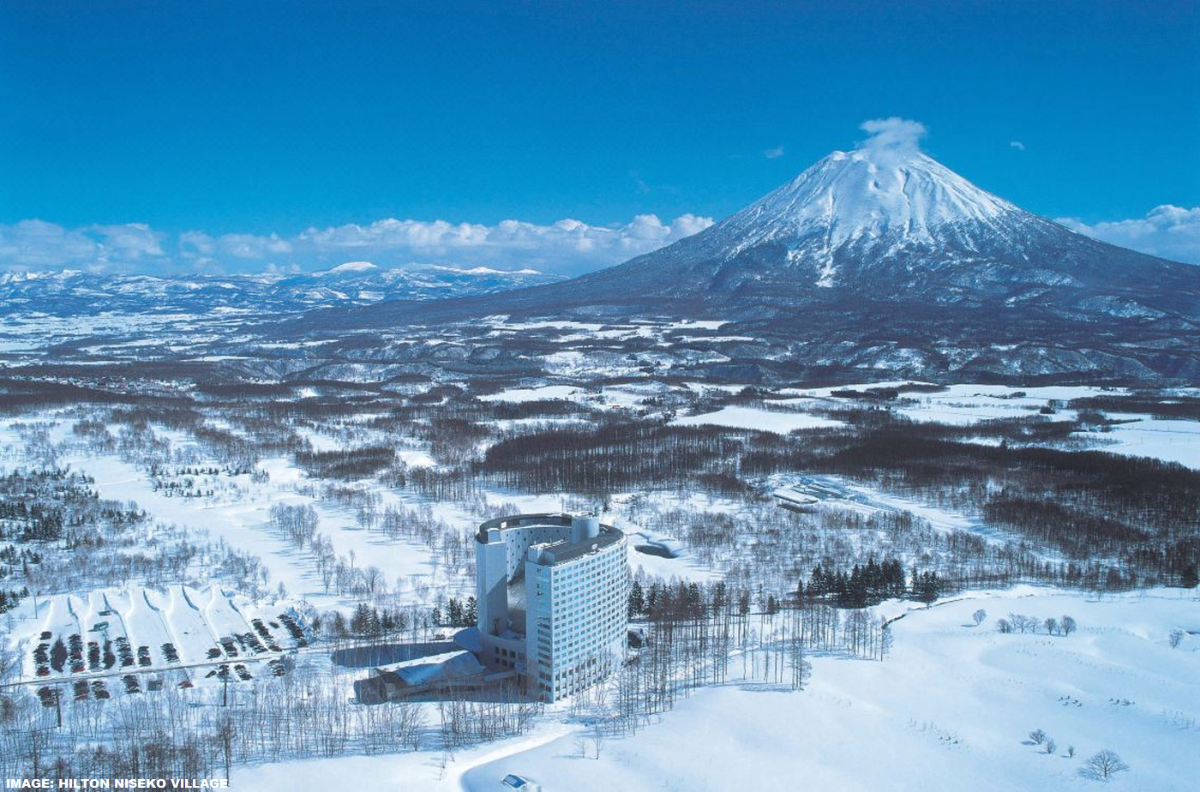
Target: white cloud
x: 128, y: 243
x: 1170, y: 232
x: 37, y: 245
x: 774, y: 153
x: 1018, y: 145
x: 567, y: 246
x: 893, y: 136
x: 197, y: 245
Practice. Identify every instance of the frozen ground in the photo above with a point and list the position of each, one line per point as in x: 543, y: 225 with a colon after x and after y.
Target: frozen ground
x: 970, y: 404
x: 762, y: 420
x: 659, y: 555
x: 239, y: 514
x: 200, y: 627
x: 950, y: 709
x: 1171, y: 441
x: 841, y: 493
x: 957, y: 405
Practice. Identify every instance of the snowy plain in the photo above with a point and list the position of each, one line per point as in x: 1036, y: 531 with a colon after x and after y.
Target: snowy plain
x: 949, y: 709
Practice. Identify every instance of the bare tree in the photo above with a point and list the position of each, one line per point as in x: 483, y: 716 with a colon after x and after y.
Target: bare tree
x: 1037, y: 736
x: 1103, y: 765
x: 979, y: 616
x: 225, y: 736
x: 1051, y: 746
x: 1067, y: 625
x: 597, y: 739
x: 1176, y: 638
x: 1051, y: 626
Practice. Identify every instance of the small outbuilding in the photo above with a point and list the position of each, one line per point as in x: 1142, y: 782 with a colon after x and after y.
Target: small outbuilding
x: 398, y: 681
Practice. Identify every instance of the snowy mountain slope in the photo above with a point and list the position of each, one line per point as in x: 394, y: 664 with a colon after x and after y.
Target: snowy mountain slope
x: 854, y: 199
x: 901, y: 228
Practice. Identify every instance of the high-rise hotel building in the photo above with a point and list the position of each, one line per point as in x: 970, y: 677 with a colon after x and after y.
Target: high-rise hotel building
x: 552, y: 592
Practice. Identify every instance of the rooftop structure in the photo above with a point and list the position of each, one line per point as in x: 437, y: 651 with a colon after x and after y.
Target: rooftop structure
x: 552, y: 597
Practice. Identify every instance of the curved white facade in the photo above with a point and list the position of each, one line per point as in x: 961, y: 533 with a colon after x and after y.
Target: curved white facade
x: 552, y: 592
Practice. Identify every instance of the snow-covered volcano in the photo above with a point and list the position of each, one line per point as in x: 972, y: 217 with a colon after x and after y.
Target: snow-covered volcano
x: 876, y: 205
x: 898, y: 226
x: 883, y: 259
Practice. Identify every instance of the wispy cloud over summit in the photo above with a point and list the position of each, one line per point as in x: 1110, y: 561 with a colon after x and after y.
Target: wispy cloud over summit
x: 895, y: 135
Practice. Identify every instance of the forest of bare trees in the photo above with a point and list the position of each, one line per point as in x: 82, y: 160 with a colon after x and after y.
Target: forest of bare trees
x: 307, y: 713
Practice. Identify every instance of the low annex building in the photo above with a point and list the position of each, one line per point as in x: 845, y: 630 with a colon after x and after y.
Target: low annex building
x: 456, y: 670
x: 552, y: 593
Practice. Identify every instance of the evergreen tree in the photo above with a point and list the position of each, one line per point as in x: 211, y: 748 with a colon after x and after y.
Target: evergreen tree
x: 360, y: 622
x: 927, y: 587
x: 637, y: 600
x: 719, y: 596
x: 693, y: 602
x: 818, y: 585
x: 58, y: 655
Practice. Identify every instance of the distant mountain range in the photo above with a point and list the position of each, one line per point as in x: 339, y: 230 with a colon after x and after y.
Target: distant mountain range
x: 871, y: 264
x: 892, y: 263
x: 73, y: 293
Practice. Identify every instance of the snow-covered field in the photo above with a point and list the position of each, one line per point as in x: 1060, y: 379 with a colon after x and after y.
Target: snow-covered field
x: 971, y: 404
x: 164, y: 631
x: 761, y: 420
x: 965, y: 404
x: 950, y: 709
x: 1170, y: 441
x: 962, y: 405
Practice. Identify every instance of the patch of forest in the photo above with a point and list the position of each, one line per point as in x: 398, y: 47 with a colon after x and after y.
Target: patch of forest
x: 348, y: 464
x: 615, y: 455
x: 1141, y: 514
x: 1175, y: 408
x: 1086, y: 504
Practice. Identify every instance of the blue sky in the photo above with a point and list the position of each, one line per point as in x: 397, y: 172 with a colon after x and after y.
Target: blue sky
x: 133, y: 125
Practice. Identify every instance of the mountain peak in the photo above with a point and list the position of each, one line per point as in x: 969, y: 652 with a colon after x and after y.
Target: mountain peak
x: 864, y: 196
x: 354, y: 266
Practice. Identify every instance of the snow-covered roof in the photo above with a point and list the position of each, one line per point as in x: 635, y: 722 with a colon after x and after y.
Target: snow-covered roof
x: 469, y: 638
x: 432, y: 669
